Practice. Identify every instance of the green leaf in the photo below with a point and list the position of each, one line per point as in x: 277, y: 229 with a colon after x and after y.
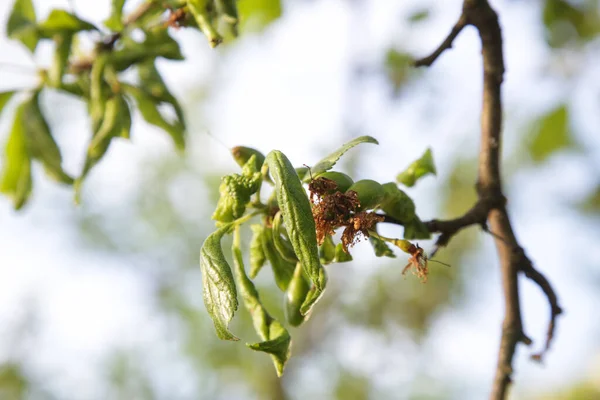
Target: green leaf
x: 341, y: 255
x: 418, y: 169
x: 219, y: 291
x: 198, y: 9
x: 40, y: 143
x: 152, y: 83
x: 157, y: 43
x: 283, y: 269
x: 551, y: 134
x: 22, y: 25
x: 399, y: 206
x: 235, y: 191
x: 16, y: 169
x: 257, y: 254
x: 283, y: 247
x: 570, y: 22
x: 258, y: 14
x: 399, y: 68
x: 148, y: 107
x: 227, y: 10
x: 5, y: 98
x: 381, y: 248
x: 63, y: 22
x: 295, y: 296
x: 62, y: 43
x: 115, y: 21
x: 419, y: 16
x: 276, y: 339
x: 297, y: 216
x: 328, y: 162
x: 242, y: 155
x: 327, y: 250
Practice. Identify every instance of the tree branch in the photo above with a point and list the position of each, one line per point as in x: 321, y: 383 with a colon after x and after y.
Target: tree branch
x: 491, y: 205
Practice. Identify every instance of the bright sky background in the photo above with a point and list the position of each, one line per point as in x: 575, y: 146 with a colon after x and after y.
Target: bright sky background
x: 287, y: 90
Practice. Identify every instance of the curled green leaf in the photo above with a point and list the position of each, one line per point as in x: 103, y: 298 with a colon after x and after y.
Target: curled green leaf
x: 295, y: 295
x: 242, y: 155
x: 282, y: 269
x: 328, y: 162
x: 16, y: 165
x: 276, y: 339
x: 284, y: 248
x: 381, y: 248
x: 235, y: 190
x: 341, y: 255
x: 62, y: 43
x: 297, y: 216
x: 219, y: 291
x: 327, y: 250
x: 418, y: 169
x: 63, y: 22
x: 257, y: 254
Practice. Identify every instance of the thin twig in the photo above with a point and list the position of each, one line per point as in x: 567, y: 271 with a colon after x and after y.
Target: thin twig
x: 446, y: 44
x: 491, y: 205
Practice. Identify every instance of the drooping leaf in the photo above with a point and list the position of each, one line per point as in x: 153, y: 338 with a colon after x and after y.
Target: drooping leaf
x: 283, y: 269
x: 63, y: 22
x: 219, y: 291
x: 115, y: 21
x: 297, y: 216
x: 295, y: 297
x: 257, y: 254
x: 283, y: 247
x: 551, y: 134
x: 381, y: 248
x: 16, y: 165
x: 328, y: 162
x: 418, y: 169
x: 40, y: 143
x: 276, y: 339
x: 327, y: 250
x: 21, y: 24
x: 341, y: 255
x: 151, y: 82
x: 148, y: 107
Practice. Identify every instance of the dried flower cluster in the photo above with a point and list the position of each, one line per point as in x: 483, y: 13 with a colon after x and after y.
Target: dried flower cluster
x: 333, y: 209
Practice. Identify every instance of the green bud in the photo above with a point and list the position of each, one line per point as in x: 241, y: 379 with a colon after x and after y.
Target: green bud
x: 370, y: 193
x: 343, y: 181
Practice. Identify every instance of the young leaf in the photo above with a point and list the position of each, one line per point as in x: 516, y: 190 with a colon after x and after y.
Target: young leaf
x: 40, y: 143
x: 418, y: 169
x: 235, y: 190
x: 21, y: 24
x: 115, y: 21
x: 276, y: 339
x: 16, y: 169
x: 257, y: 254
x: 282, y: 269
x: 242, y: 155
x: 63, y: 22
x: 219, y: 291
x: 328, y: 162
x: 148, y: 107
x: 381, y: 248
x: 295, y: 296
x: 297, y: 216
